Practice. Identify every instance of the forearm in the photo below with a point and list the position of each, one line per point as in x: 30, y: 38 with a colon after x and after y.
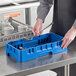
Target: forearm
x: 44, y: 8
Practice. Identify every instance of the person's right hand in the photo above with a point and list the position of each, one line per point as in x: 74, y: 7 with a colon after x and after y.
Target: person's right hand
x: 38, y: 27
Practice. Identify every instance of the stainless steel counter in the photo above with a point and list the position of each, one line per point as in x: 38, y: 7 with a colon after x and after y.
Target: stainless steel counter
x: 9, y: 67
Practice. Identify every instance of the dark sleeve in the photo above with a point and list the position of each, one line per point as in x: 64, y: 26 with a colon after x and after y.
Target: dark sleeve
x: 44, y: 8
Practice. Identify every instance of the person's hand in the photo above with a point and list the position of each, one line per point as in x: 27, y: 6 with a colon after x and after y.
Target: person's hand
x: 38, y: 27
x: 69, y: 37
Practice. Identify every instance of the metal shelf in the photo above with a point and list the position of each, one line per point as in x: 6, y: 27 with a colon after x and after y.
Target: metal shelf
x: 14, y: 36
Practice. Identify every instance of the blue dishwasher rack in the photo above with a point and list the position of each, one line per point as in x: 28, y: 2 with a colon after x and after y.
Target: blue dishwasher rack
x: 41, y: 45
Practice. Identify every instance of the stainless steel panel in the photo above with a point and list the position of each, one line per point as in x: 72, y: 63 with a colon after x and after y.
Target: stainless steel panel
x: 21, y: 18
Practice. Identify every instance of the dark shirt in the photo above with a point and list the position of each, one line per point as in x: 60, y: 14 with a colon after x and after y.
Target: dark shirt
x: 64, y: 14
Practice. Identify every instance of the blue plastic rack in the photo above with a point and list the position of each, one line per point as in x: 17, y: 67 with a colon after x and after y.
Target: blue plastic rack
x: 39, y: 46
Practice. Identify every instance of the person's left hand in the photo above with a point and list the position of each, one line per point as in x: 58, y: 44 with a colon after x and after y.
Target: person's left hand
x: 69, y: 37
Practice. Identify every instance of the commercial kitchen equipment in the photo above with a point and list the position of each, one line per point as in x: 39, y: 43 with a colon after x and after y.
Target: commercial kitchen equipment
x: 19, y: 13
x: 12, y: 68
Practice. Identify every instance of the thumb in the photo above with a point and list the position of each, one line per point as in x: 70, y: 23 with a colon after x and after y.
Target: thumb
x: 33, y: 30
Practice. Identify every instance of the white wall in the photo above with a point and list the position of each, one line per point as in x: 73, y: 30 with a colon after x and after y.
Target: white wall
x: 48, y: 20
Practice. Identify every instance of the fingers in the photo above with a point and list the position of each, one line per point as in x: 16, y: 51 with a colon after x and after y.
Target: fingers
x: 63, y: 43
x: 33, y: 30
x: 66, y: 42
x: 39, y: 32
x: 38, y: 27
x: 36, y: 32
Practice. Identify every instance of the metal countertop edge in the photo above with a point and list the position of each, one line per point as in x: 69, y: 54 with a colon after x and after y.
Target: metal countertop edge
x: 46, y: 67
